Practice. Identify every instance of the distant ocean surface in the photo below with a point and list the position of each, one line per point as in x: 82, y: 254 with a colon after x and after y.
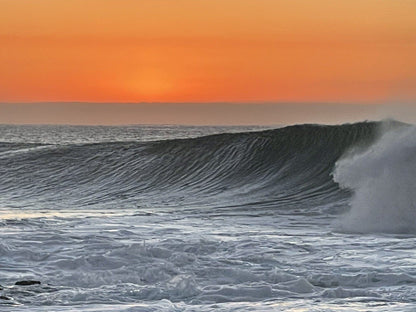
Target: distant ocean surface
x: 178, y: 218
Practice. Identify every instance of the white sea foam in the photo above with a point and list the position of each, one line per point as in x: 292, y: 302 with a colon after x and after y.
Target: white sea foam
x: 383, y: 181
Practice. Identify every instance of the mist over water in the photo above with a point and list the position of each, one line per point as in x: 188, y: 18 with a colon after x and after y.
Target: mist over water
x: 383, y: 181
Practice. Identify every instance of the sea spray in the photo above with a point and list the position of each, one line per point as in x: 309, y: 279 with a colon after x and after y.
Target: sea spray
x: 383, y: 181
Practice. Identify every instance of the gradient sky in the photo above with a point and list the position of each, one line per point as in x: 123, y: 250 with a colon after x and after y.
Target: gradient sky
x: 358, y: 51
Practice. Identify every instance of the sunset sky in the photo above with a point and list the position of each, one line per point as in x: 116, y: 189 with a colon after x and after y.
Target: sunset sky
x: 192, y: 51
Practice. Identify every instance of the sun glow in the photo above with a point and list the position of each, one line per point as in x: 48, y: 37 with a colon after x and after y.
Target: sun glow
x: 148, y: 85
x: 207, y: 50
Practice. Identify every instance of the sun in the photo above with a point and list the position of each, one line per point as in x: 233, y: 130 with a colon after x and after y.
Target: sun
x: 150, y: 85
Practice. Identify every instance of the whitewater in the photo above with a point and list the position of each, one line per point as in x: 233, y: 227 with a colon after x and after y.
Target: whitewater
x: 181, y: 218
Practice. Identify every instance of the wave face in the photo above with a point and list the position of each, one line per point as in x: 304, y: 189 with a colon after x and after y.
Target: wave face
x: 283, y: 168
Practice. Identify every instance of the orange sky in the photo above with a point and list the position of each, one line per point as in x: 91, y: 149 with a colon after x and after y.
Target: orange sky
x: 208, y: 50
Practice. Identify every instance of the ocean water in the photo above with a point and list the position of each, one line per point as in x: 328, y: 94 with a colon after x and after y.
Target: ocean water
x: 172, y: 218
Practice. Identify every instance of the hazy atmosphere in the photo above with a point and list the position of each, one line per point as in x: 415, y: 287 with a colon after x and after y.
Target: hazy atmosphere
x: 200, y: 113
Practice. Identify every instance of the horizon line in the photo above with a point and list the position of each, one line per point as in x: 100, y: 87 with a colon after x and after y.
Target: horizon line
x: 217, y: 102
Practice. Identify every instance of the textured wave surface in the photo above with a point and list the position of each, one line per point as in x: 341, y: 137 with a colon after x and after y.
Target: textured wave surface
x: 277, y: 168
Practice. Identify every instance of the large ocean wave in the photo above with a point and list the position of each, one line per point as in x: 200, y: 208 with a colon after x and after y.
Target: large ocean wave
x: 283, y: 168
